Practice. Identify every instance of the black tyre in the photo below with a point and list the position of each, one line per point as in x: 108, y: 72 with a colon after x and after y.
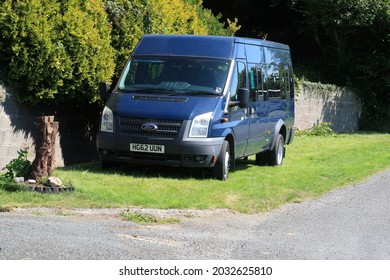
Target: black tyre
x: 276, y: 156
x: 222, y: 166
x: 262, y: 158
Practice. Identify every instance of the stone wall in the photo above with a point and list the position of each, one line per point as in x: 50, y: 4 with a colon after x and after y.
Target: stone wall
x: 76, y: 139
x: 316, y: 103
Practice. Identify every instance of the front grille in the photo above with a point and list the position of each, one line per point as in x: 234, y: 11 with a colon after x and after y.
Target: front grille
x: 167, y: 129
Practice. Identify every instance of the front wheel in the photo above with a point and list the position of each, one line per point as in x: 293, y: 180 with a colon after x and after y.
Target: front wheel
x: 223, y: 164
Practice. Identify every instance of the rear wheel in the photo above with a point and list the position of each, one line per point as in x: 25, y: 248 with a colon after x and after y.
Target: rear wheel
x: 223, y: 164
x: 274, y: 156
x: 277, y: 154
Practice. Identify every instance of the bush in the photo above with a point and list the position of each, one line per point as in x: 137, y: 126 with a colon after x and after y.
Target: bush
x: 58, y: 51
x: 129, y: 20
x: 55, y: 50
x: 322, y: 129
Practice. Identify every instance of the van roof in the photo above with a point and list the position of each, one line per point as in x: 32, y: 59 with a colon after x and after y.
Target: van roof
x: 196, y: 45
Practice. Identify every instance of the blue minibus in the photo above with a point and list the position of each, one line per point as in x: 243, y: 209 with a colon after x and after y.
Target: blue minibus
x: 199, y: 102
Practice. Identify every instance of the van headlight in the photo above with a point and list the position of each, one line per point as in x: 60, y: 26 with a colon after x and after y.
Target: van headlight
x: 200, y: 125
x: 107, y: 124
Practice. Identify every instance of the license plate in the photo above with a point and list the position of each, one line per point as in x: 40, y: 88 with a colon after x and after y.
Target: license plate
x: 147, y: 148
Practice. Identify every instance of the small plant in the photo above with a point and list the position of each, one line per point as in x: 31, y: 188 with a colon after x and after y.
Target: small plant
x: 18, y: 167
x: 322, y: 129
x: 37, y: 213
x: 146, y: 218
x: 5, y: 209
x: 44, y: 180
x: 63, y: 213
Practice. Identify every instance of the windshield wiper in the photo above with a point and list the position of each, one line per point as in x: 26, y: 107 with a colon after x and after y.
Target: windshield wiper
x: 170, y: 92
x: 202, y: 93
x: 148, y: 90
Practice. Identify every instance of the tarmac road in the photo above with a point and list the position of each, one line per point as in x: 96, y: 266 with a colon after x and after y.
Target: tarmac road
x: 351, y: 222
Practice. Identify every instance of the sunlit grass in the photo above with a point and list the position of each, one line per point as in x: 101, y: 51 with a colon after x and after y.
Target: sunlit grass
x: 313, y: 166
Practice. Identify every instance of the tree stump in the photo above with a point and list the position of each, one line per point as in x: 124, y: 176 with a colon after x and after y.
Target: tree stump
x: 44, y: 161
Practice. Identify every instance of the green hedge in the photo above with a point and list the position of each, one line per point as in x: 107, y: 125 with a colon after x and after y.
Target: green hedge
x: 55, y: 50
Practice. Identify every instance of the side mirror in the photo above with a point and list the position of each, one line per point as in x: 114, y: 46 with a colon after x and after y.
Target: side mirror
x: 243, y: 98
x: 104, y: 90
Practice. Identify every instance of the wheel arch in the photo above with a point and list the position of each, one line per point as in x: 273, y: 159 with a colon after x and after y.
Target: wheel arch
x: 230, y: 138
x: 280, y: 128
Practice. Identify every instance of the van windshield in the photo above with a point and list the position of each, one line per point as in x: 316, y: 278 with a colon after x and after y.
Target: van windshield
x: 170, y: 75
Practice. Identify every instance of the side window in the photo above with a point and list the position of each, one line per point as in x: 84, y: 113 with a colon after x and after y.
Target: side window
x: 256, y: 83
x: 283, y: 82
x: 278, y: 80
x: 286, y: 83
x: 273, y: 81
x: 241, y: 75
x: 238, y: 80
x: 263, y: 69
x: 291, y: 81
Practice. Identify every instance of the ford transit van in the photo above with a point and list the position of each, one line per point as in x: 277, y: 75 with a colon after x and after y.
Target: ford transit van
x: 199, y: 102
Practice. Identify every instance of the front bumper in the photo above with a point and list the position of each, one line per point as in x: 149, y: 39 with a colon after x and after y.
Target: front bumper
x: 190, y: 152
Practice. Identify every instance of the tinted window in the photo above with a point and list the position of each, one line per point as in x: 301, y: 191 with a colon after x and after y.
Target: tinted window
x: 277, y: 81
x: 254, y: 54
x: 238, y: 80
x: 256, y: 82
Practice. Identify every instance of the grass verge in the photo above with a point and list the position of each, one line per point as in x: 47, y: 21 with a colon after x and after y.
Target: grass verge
x: 140, y: 218
x: 313, y: 165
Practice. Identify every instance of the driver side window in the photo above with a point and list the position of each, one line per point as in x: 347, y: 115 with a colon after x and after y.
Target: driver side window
x: 238, y: 80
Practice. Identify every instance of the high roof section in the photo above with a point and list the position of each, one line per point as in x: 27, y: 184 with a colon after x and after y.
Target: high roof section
x: 194, y: 45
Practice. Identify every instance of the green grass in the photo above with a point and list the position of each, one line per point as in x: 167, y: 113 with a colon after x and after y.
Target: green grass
x: 146, y: 218
x: 312, y: 167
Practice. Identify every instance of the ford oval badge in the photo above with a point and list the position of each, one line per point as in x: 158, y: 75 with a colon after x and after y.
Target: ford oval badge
x: 149, y: 127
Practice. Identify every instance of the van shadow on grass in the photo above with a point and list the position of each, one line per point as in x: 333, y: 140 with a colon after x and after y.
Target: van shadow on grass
x: 151, y: 171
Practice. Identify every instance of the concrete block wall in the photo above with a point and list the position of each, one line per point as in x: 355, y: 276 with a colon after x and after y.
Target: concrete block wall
x: 18, y: 131
x: 338, y: 106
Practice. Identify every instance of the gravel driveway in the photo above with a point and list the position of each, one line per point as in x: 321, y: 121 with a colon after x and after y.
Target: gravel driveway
x: 351, y: 222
